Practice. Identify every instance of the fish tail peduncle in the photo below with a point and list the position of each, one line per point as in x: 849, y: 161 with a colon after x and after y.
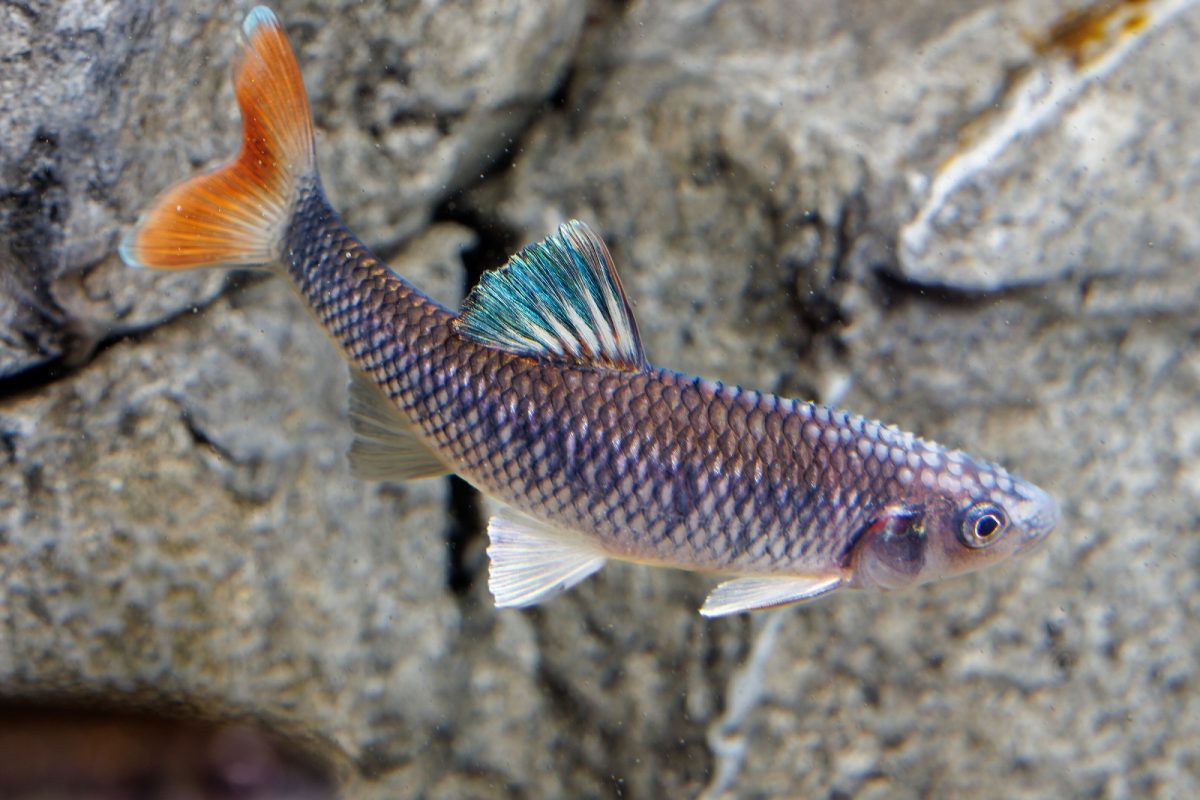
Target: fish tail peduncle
x: 237, y: 214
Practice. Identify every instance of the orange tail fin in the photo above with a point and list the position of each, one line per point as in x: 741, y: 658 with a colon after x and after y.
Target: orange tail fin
x: 236, y: 215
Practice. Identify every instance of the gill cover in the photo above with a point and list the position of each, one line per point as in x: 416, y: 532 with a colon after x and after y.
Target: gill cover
x: 890, y: 554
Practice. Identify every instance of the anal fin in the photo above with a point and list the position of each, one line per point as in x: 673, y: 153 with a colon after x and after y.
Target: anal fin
x: 385, y: 445
x: 753, y: 594
x: 531, y: 560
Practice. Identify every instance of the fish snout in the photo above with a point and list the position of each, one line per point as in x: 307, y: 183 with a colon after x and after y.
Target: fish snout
x: 1037, y: 514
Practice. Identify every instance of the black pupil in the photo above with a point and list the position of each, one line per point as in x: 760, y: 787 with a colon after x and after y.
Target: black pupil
x: 986, y: 525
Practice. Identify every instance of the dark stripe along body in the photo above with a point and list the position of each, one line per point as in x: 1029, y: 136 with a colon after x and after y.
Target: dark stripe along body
x: 662, y: 467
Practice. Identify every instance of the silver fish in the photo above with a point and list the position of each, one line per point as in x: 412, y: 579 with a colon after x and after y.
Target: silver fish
x: 539, y: 393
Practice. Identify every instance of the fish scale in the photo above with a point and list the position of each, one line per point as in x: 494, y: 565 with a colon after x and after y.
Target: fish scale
x: 538, y: 393
x: 356, y: 297
x: 685, y: 420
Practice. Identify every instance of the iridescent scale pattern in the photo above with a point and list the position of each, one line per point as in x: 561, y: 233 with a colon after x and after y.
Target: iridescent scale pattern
x: 660, y: 467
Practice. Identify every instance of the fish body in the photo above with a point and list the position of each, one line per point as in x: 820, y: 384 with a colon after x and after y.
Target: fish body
x: 539, y: 393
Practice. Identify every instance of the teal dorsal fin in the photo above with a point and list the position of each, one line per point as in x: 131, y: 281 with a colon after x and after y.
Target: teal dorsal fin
x: 559, y: 298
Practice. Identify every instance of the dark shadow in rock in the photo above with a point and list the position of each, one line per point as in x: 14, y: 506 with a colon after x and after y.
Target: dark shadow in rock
x: 61, y: 752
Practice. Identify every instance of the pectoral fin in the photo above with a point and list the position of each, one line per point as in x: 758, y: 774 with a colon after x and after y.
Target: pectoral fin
x: 752, y: 594
x: 531, y: 560
x: 385, y: 445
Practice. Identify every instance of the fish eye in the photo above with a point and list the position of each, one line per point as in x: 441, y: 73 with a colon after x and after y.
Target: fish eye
x: 982, y: 524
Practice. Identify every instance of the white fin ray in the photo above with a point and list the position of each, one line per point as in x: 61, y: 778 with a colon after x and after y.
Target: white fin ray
x: 385, y: 445
x: 559, y: 298
x: 752, y: 594
x: 532, y: 561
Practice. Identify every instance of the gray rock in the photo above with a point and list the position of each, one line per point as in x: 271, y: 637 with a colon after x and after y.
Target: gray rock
x: 177, y: 524
x: 105, y: 104
x: 178, y: 527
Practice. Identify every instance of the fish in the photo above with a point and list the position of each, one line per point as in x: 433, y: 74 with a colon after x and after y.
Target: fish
x: 538, y: 392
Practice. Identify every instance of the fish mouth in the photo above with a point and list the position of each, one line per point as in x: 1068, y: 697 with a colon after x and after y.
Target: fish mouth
x: 1038, y: 514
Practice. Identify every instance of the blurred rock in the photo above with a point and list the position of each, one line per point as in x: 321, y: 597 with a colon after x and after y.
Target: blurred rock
x: 178, y: 526
x: 51, y: 754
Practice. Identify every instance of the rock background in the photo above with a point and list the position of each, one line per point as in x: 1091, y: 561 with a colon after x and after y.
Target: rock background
x: 976, y: 220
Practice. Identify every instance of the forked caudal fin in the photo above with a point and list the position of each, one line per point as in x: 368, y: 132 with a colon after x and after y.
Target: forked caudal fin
x: 236, y: 214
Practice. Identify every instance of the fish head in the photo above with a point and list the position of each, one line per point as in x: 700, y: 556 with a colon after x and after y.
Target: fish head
x: 977, y: 516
